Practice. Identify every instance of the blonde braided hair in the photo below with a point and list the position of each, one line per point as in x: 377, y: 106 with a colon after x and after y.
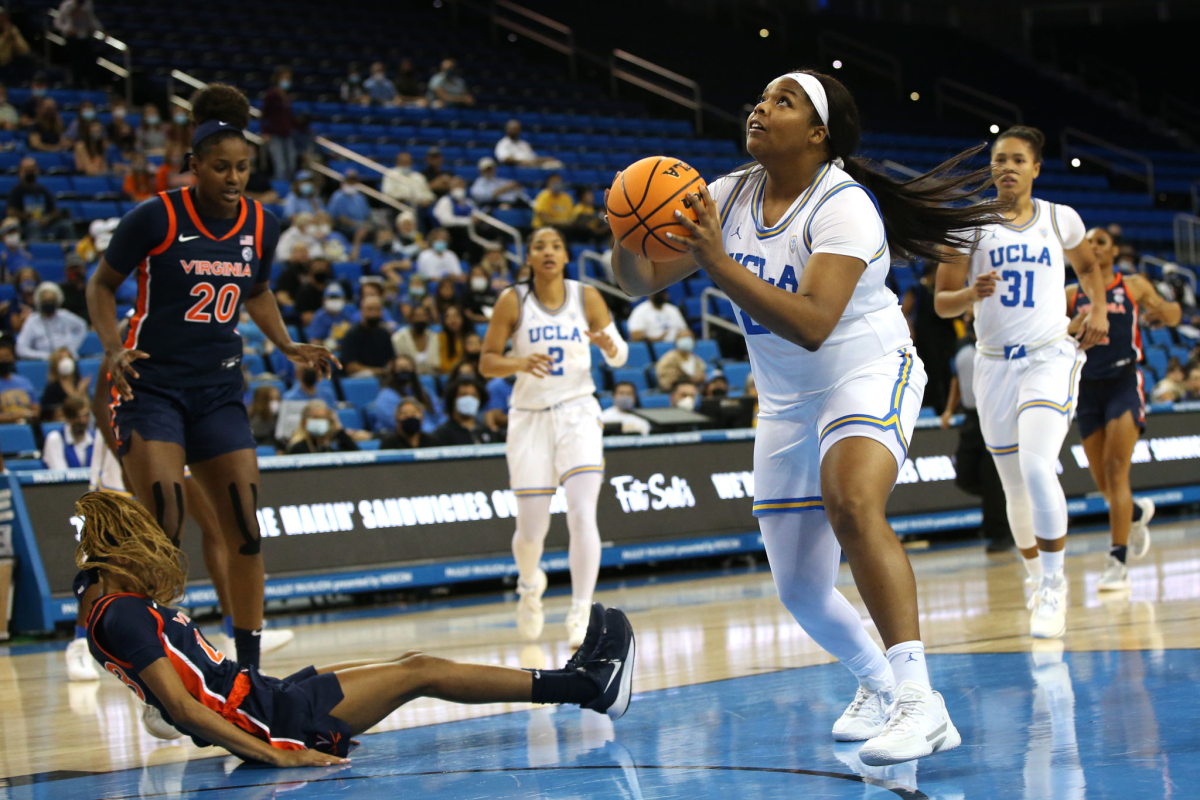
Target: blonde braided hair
x: 118, y: 528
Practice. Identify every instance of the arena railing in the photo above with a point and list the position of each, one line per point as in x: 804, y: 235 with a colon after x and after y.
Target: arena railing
x: 1114, y: 158
x: 602, y: 286
x: 831, y: 45
x: 620, y: 68
x: 549, y: 33
x: 995, y: 110
x: 1187, y: 239
x: 516, y: 255
x: 1166, y: 268
x: 709, y: 319
x: 126, y: 57
x: 909, y: 172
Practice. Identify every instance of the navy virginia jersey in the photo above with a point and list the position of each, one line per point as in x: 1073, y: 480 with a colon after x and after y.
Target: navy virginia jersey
x: 1117, y: 354
x: 193, y: 274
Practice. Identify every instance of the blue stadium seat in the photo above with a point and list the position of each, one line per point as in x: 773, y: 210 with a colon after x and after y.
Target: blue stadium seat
x: 254, y: 363
x: 89, y: 186
x: 46, y: 250
x: 736, y: 372
x: 639, y: 355
x: 634, y: 375
x: 1155, y: 358
x: 516, y: 217
x: 360, y: 392
x: 348, y: 270
x: 369, y: 444
x: 24, y: 464
x: 351, y: 418
x: 91, y: 345
x: 654, y: 400
x: 35, y: 373
x: 98, y: 209
x: 264, y: 450
x: 88, y: 367
x: 16, y: 439
x: 57, y: 185
x: 708, y: 350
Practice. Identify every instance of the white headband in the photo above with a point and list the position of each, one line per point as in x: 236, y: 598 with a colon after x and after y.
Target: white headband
x: 816, y: 95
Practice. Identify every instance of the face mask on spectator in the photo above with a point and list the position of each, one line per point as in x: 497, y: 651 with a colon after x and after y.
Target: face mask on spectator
x: 308, y: 377
x: 320, y: 277
x: 467, y: 405
x: 334, y: 305
x: 312, y: 230
x: 152, y: 119
x: 180, y: 118
x: 479, y: 284
x: 66, y: 366
x: 623, y: 402
x: 686, y: 403
x: 118, y: 114
x: 719, y: 391
x: 404, y: 170
x: 38, y: 91
x: 79, y: 429
x: 440, y: 246
x: 30, y: 177
x: 88, y: 113
x: 419, y: 327
x: 417, y: 291
x: 13, y: 240
x: 685, y: 344
x: 405, y: 375
x: 48, y: 307
x: 285, y: 84
x: 27, y: 287
x: 350, y: 188
x: 324, y: 230
x: 458, y: 193
x: 306, y: 189
x: 273, y: 406
x: 6, y: 368
x: 317, y: 427
x: 659, y: 299
x: 373, y: 322
x: 410, y: 425
x: 355, y: 78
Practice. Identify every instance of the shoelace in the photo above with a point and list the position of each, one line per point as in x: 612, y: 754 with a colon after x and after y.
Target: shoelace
x: 904, y: 710
x: 860, y: 699
x: 1048, y: 598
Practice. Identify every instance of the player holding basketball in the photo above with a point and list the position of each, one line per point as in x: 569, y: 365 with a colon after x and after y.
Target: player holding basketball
x: 1026, y: 365
x: 163, y: 658
x: 554, y: 427
x: 200, y: 254
x: 798, y: 242
x: 1112, y: 407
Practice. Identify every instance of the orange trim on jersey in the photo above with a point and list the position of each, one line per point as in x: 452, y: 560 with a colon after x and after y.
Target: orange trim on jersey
x: 1113, y: 285
x: 191, y: 210
x: 192, y: 679
x: 143, y: 304
x: 171, y: 226
x: 258, y: 226
x: 98, y: 608
x: 112, y: 410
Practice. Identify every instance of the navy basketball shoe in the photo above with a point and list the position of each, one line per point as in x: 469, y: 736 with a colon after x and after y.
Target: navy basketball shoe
x: 595, y: 624
x: 611, y: 665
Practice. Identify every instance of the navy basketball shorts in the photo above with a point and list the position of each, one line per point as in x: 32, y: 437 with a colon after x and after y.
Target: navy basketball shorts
x: 206, y: 421
x: 295, y: 710
x: 1100, y: 402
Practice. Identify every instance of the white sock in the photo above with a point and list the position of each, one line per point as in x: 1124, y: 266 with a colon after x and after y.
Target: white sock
x: 908, y: 663
x: 1053, y: 563
x: 1034, y: 567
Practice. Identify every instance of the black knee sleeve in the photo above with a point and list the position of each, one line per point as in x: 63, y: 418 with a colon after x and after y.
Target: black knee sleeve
x: 160, y: 511
x: 248, y: 527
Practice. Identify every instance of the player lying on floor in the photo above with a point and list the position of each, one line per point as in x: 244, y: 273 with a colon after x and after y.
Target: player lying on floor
x: 165, y: 660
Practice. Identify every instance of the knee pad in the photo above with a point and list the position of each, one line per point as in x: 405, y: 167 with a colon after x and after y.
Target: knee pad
x: 160, y: 512
x: 252, y: 544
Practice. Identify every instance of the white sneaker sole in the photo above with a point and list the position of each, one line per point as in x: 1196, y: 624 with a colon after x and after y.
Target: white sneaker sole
x: 1119, y: 586
x: 853, y: 736
x: 1049, y: 634
x: 272, y: 640
x: 621, y: 704
x: 938, y: 742
x: 1147, y: 506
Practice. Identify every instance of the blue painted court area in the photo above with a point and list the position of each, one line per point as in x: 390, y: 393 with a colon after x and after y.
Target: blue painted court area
x: 1041, y: 725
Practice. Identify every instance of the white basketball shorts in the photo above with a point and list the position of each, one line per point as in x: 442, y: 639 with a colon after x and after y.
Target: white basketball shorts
x: 545, y: 448
x: 879, y: 401
x: 1004, y: 387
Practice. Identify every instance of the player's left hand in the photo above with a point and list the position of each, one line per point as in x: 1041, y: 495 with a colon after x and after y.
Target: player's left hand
x: 604, y: 342
x: 705, y: 243
x: 313, y: 356
x: 1095, y: 327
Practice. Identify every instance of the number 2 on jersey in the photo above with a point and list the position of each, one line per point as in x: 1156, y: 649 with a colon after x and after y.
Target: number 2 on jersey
x: 1014, y: 288
x: 227, y: 302
x: 557, y: 354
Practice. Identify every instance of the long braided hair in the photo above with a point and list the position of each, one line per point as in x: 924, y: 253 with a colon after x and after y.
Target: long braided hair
x: 120, y: 529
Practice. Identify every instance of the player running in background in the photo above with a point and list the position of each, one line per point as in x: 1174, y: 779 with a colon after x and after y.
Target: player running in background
x: 1027, y: 367
x: 1112, y: 407
x: 801, y: 241
x: 554, y: 427
x: 308, y: 718
x: 201, y: 254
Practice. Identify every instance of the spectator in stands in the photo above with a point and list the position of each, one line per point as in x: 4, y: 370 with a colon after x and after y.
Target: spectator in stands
x: 751, y: 390
x: 16, y: 391
x: 681, y: 363
x: 96, y: 240
x: 77, y: 23
x: 717, y: 386
x: 333, y: 245
x: 1170, y: 388
x: 277, y: 124
x: 352, y: 90
x: 684, y: 395
x: 258, y: 185
x: 553, y: 206
x: 139, y: 183
x: 407, y: 435
x: 303, y: 197
x: 373, y: 286
x: 588, y: 223
x: 417, y: 343
x: 122, y: 146
x: 85, y: 115
x: 447, y: 87
x: 491, y: 192
x: 445, y: 295
x: 37, y: 90
x: 333, y: 320
x: 394, y: 252
x: 309, y: 386
x: 438, y: 260
x: 380, y: 90
x: 71, y: 447
x: 9, y: 118
x: 320, y: 431
x: 435, y: 174
x: 180, y: 129
x: 656, y: 320
x: 512, y: 149
x: 405, y: 184
x: 495, y: 265
x: 311, y: 294
x: 48, y: 133
x: 463, y: 425
x: 367, y: 347
x: 62, y: 382
x: 74, y: 287
x: 349, y: 207
x: 51, y: 327
x: 90, y: 150
x: 481, y: 297
x: 264, y: 415
x: 12, y: 46
x: 407, y: 86
x: 301, y: 234
x: 450, y: 340
x: 168, y: 176
x: 13, y: 255
x: 152, y: 133
x: 625, y: 399
x: 398, y: 382
x: 1191, y: 387
x: 453, y: 212
x: 416, y: 294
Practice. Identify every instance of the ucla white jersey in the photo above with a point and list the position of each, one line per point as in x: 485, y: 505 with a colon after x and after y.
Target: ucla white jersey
x: 835, y: 215
x: 1029, y: 306
x: 560, y: 334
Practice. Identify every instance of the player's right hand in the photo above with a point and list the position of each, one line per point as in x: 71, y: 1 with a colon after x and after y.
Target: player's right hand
x: 308, y: 758
x: 985, y: 284
x: 118, y: 363
x: 537, y: 365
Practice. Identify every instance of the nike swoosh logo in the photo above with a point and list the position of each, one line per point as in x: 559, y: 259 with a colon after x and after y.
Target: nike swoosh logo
x: 256, y: 633
x: 222, y: 123
x: 612, y: 677
x: 183, y: 238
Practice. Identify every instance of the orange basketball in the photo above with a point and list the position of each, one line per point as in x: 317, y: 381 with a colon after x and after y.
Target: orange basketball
x: 642, y: 204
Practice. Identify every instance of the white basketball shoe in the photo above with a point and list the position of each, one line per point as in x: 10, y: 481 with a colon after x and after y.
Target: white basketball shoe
x: 865, y: 717
x: 918, y: 725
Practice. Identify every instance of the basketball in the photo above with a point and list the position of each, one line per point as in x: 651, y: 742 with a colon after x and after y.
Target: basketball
x: 642, y: 204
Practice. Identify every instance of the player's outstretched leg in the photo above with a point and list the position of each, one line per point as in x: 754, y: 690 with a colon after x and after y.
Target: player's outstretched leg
x: 583, y: 493
x: 857, y: 475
